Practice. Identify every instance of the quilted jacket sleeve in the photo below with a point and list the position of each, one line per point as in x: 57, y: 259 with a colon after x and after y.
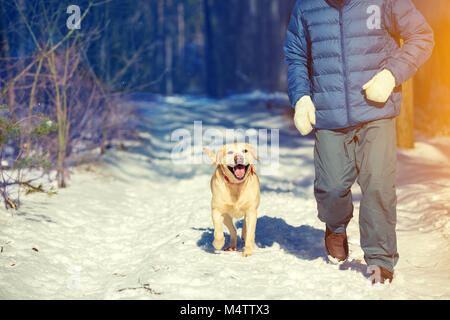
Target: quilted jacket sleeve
x: 296, y: 57
x: 407, y: 23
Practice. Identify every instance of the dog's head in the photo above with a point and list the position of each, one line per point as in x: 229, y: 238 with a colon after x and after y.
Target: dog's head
x: 235, y: 160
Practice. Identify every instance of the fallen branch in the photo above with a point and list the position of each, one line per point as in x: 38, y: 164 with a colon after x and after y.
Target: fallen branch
x: 145, y: 286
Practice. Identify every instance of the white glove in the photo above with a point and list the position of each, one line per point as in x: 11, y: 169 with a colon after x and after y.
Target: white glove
x: 380, y: 87
x: 305, y: 115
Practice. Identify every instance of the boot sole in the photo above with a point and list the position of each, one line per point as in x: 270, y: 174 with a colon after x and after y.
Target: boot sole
x: 335, y: 261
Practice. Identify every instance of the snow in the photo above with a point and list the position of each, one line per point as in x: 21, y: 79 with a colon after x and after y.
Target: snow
x: 136, y: 226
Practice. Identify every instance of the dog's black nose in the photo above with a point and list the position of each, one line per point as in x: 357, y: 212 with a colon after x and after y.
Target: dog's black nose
x: 238, y: 159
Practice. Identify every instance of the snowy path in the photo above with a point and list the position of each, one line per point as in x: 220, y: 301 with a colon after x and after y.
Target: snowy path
x: 138, y: 227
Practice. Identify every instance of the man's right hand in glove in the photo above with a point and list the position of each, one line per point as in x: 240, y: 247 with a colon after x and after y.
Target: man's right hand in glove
x: 305, y: 115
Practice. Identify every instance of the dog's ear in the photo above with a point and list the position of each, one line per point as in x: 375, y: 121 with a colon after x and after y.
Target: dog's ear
x: 211, y: 156
x: 219, y: 156
x: 252, y: 151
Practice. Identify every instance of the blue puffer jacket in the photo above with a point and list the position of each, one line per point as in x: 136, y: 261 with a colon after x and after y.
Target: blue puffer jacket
x: 332, y: 50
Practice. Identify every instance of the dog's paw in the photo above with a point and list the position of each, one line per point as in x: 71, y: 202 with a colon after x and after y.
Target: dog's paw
x: 218, y: 243
x: 247, y: 252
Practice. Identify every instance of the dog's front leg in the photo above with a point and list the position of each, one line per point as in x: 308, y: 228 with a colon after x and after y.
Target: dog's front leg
x: 250, y: 227
x: 219, y: 239
x: 228, y: 221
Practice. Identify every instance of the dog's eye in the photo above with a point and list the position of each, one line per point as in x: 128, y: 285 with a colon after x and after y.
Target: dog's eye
x: 230, y: 152
x: 245, y: 150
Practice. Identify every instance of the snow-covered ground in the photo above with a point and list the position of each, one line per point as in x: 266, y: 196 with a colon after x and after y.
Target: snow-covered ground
x: 139, y: 227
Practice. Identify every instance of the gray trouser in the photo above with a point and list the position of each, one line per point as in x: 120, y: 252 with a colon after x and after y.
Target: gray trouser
x: 367, y: 154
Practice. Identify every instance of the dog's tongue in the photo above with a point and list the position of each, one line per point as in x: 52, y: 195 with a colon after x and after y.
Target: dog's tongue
x: 239, y: 171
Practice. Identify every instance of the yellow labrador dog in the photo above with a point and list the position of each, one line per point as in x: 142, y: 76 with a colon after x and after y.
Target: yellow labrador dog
x: 235, y: 194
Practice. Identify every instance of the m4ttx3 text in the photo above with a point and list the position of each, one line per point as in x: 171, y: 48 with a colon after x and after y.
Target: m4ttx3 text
x: 247, y: 309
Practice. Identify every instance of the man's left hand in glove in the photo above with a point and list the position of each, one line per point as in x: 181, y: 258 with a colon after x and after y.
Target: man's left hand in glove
x: 380, y: 87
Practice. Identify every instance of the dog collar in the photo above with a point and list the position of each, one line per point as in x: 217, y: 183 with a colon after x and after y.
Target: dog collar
x: 252, y: 171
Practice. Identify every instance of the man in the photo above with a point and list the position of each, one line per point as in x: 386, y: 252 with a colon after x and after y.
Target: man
x: 345, y: 70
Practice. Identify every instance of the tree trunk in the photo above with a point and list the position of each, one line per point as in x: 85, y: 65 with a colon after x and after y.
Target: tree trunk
x: 181, y: 30
x: 169, y: 67
x: 405, y: 122
x: 211, y: 78
x: 170, y: 34
x: 4, y: 44
x: 104, y: 54
x: 4, y: 58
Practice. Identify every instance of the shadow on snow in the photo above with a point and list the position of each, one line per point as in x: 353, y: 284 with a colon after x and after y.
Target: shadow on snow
x: 305, y: 242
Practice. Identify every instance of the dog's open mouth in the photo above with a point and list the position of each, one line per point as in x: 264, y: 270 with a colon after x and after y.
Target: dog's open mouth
x: 239, y: 171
